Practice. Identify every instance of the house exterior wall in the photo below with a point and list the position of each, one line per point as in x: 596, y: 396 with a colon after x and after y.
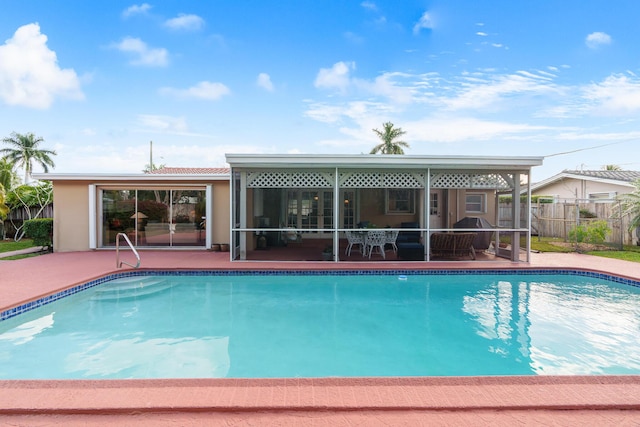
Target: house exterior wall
x: 571, y: 188
x: 221, y: 212
x: 372, y: 209
x: 71, y: 216
x: 71, y: 211
x: 456, y: 206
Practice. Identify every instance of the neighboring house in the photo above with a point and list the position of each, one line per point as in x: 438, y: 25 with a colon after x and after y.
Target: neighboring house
x: 580, y: 196
x: 313, y: 196
x: 589, y: 185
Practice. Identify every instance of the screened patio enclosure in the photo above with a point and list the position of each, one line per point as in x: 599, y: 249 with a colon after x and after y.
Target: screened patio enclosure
x: 304, y: 207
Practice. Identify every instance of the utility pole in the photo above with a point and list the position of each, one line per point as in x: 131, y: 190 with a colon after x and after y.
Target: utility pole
x: 150, y: 156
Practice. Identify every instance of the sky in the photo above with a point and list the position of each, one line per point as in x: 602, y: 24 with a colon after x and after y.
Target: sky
x: 100, y: 80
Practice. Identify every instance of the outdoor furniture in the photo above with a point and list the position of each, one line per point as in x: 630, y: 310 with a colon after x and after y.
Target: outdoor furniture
x: 291, y: 235
x: 375, y: 239
x: 411, y: 251
x: 355, y: 238
x: 452, y: 245
x: 409, y: 236
x: 483, y: 238
x: 391, y: 237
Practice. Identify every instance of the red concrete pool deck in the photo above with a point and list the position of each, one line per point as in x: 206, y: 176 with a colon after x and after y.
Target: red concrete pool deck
x: 530, y: 400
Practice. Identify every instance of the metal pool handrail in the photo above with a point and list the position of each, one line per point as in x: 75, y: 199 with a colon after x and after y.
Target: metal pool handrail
x: 118, y: 262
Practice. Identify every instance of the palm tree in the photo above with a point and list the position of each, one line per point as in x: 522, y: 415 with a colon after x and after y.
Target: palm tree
x: 8, y: 176
x: 4, y: 209
x: 630, y: 205
x: 25, y: 151
x: 389, y: 136
x: 611, y: 168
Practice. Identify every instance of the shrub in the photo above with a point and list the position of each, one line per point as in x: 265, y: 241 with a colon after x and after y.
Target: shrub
x: 40, y: 230
x: 585, y: 213
x: 594, y: 232
x: 523, y: 199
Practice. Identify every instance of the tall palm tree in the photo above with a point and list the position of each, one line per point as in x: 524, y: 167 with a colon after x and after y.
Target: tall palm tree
x: 24, y: 151
x: 389, y: 136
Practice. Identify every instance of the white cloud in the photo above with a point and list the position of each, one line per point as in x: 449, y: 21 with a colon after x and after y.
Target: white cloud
x: 136, y: 9
x: 29, y: 72
x: 264, y: 81
x: 386, y: 86
x: 425, y: 22
x: 478, y: 92
x: 617, y: 94
x: 597, y: 39
x: 481, y: 34
x: 185, y: 22
x: 369, y: 5
x: 460, y: 129
x: 203, y: 90
x: 143, y: 55
x: 165, y: 124
x: 336, y: 77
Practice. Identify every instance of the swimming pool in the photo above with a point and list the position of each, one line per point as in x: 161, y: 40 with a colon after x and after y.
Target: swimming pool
x: 295, y: 324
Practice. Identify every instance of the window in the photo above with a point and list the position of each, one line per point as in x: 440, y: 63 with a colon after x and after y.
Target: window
x: 475, y: 203
x: 602, y: 197
x: 433, y: 204
x: 400, y: 201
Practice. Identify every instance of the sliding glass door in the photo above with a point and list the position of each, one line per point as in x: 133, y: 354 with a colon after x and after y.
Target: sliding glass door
x: 154, y: 217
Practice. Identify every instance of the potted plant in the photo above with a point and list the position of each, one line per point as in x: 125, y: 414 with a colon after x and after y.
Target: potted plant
x: 327, y: 253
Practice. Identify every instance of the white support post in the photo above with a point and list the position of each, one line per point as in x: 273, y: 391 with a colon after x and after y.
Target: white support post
x: 92, y: 219
x: 336, y: 216
x: 516, y: 210
x: 208, y: 217
x: 243, y: 215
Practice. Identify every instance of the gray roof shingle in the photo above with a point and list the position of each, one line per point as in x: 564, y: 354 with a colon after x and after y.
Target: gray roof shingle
x: 626, y: 176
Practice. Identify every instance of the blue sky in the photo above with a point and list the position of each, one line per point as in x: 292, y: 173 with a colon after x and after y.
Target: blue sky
x: 99, y: 80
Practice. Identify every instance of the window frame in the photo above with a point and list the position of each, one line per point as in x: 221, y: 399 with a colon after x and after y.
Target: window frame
x: 482, y: 203
x: 391, y: 201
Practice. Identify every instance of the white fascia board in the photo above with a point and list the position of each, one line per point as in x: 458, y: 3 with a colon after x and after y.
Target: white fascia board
x: 565, y: 175
x: 107, y: 177
x: 381, y: 161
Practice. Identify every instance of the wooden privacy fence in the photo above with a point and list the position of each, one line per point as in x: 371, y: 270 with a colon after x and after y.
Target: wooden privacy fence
x: 559, y: 218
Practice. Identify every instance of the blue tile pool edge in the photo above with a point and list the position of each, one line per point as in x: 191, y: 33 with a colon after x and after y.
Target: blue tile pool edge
x: 31, y: 305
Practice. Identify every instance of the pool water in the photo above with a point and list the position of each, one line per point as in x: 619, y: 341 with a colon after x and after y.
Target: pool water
x: 262, y: 326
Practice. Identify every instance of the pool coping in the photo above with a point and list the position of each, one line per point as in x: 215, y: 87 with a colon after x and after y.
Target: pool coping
x: 548, y: 400
x: 321, y: 395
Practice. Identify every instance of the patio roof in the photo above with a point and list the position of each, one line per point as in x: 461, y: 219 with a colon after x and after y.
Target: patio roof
x: 383, y: 161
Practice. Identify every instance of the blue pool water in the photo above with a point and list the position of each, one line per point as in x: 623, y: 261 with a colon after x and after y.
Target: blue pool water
x: 258, y: 326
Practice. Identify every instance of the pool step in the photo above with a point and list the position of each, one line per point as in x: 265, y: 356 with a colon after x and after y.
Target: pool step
x: 131, y: 287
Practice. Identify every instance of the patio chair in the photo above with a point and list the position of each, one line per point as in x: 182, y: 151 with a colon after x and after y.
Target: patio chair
x: 291, y: 235
x: 354, y: 238
x: 392, y: 236
x: 375, y: 239
x: 453, y: 244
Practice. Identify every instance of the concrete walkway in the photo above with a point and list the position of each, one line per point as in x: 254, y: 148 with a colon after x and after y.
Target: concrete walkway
x: 32, y: 250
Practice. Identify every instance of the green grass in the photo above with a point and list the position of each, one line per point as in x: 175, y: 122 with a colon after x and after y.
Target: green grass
x: 545, y: 245
x: 10, y: 245
x: 623, y: 255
